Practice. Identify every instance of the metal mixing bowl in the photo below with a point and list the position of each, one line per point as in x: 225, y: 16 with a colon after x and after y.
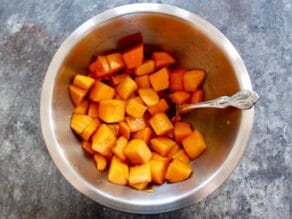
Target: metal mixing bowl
x: 196, y: 44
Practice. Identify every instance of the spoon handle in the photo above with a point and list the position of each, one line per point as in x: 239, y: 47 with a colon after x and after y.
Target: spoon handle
x: 243, y: 99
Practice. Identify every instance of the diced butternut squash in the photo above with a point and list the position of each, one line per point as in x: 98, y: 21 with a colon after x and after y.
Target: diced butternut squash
x: 158, y: 171
x: 176, y: 80
x: 178, y: 171
x: 175, y: 149
x: 100, y: 162
x: 118, y: 172
x: 160, y: 80
x: 140, y: 174
x: 194, y: 144
x: 134, y: 56
x: 197, y: 96
x: 79, y: 122
x: 162, y: 145
x: 182, y: 130
x: 149, y: 96
x: 124, y: 130
x: 160, y: 107
x: 77, y: 94
x: 90, y: 129
x: 83, y: 82
x: 116, y: 62
x: 119, y: 148
x: 181, y: 155
x: 115, y: 129
x: 193, y: 79
x: 86, y: 145
x: 137, y: 152
x: 162, y: 59
x: 146, y: 68
x: 102, y: 67
x: 117, y: 79
x: 112, y: 111
x: 144, y: 134
x: 179, y: 97
x: 135, y: 108
x: 139, y: 186
x: 101, y: 91
x: 135, y: 124
x: 126, y: 87
x: 82, y: 107
x: 156, y: 156
x: 160, y: 124
x: 92, y: 67
x: 93, y: 110
x: 103, y: 140
x: 143, y: 81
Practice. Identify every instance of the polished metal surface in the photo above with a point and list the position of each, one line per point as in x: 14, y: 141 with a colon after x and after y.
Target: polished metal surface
x: 244, y: 99
x: 195, y: 43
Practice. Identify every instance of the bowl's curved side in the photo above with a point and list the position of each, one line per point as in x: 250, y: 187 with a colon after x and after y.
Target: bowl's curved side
x: 182, y: 200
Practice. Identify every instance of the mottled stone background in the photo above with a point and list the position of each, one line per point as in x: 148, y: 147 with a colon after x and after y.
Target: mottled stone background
x: 32, y: 187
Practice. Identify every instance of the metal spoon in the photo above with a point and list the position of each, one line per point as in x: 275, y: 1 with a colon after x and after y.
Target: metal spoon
x: 243, y: 99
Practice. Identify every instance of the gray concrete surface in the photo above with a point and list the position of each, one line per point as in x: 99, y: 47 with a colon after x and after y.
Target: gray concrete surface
x: 30, y: 184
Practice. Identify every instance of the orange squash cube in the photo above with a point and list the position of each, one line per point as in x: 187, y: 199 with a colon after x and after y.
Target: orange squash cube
x: 160, y: 124
x: 79, y: 122
x: 194, y: 144
x: 175, y: 149
x: 160, y: 80
x: 179, y: 97
x: 83, y: 82
x: 162, y: 145
x: 158, y: 171
x: 101, y: 91
x: 117, y: 79
x: 92, y: 67
x: 139, y: 186
x: 119, y: 148
x: 181, y: 155
x: 115, y: 129
x: 143, y: 81
x: 100, y: 162
x: 197, y: 96
x: 137, y: 152
x: 135, y: 108
x: 156, y: 156
x: 146, y: 68
x: 116, y: 62
x: 124, y: 130
x: 193, y: 79
x: 112, y: 111
x: 140, y: 174
x: 93, y: 110
x: 126, y: 87
x: 134, y: 56
x: 135, y: 124
x: 182, y: 130
x: 162, y: 59
x: 103, y: 140
x: 149, y: 96
x: 90, y: 129
x: 178, y: 171
x: 176, y: 80
x: 102, y: 67
x: 144, y: 134
x: 118, y: 172
x: 81, y: 108
x: 77, y: 94
x: 160, y: 107
x: 86, y: 145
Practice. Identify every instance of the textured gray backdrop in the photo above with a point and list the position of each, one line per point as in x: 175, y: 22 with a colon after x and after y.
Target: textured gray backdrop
x: 32, y: 187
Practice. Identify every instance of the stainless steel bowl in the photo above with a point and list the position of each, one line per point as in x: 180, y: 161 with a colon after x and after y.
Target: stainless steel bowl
x: 196, y: 44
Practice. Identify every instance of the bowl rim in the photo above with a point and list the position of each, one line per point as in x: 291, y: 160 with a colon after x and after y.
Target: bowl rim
x: 193, y: 196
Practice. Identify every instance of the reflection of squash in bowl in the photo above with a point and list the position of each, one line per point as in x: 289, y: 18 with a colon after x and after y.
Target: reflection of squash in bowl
x: 196, y: 44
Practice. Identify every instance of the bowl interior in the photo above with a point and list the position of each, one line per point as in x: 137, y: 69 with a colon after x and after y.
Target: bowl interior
x: 192, y: 49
